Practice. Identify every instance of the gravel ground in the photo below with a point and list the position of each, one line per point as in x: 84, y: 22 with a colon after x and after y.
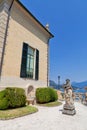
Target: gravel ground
x: 49, y: 119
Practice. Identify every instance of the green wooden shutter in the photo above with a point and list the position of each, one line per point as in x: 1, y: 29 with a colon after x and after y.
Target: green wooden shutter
x: 37, y: 65
x: 24, y: 60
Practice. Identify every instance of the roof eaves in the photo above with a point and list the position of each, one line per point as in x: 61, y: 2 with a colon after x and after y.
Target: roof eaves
x: 35, y: 18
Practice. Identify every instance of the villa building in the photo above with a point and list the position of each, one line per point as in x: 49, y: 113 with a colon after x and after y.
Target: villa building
x: 24, y: 45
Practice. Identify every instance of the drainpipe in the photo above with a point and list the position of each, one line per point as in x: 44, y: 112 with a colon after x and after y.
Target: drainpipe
x: 48, y: 63
x: 5, y: 37
x: 47, y: 27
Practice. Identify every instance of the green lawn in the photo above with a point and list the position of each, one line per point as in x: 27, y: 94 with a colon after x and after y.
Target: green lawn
x: 51, y: 104
x: 18, y: 112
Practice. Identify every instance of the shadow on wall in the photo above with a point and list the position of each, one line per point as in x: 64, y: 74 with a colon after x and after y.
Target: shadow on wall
x: 26, y: 22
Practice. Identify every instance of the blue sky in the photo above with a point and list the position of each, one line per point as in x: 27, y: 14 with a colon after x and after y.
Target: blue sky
x: 68, y: 23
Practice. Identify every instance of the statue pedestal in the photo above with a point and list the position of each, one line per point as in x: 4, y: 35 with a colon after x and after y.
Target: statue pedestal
x: 69, y: 109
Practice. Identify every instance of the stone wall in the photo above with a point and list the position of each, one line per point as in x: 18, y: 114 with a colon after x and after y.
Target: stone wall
x: 3, y: 23
x: 23, y: 28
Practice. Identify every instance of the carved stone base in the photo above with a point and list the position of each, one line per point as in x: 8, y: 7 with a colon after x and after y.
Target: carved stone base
x: 85, y: 103
x: 69, y: 109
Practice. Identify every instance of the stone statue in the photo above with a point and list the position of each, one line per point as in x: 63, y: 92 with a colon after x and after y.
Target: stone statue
x: 85, y: 100
x: 68, y: 92
x: 68, y: 107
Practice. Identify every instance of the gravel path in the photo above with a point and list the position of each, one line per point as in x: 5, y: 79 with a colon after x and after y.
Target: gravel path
x: 49, y: 119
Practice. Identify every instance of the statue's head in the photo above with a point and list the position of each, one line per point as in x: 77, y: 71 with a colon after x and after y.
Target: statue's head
x: 67, y: 80
x: 67, y: 85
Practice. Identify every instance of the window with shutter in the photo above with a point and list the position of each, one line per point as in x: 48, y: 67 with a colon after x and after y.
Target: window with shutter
x: 24, y: 60
x: 28, y: 69
x: 37, y: 65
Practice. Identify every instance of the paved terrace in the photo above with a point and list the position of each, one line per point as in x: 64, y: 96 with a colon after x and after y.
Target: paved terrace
x: 49, y: 119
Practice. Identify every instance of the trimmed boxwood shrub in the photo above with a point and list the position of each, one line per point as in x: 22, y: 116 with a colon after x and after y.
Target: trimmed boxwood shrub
x: 2, y: 94
x: 12, y: 98
x: 42, y: 95
x: 4, y: 104
x: 16, y: 97
x: 3, y: 101
x: 45, y: 95
x: 53, y: 94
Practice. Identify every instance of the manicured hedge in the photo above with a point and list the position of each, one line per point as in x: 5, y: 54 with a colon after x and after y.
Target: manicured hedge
x: 12, y: 98
x: 53, y: 95
x: 45, y: 95
x: 16, y: 97
x: 4, y: 104
x: 3, y: 101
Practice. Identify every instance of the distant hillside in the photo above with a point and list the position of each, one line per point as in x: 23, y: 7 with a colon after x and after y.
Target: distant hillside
x: 74, y: 87
x: 77, y: 86
x: 54, y: 85
x: 80, y: 84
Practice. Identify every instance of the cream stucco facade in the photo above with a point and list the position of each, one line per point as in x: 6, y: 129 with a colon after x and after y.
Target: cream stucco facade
x: 23, y: 27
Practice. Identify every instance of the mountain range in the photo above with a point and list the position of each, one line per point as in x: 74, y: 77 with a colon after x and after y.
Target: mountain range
x: 77, y: 86
x: 53, y: 84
